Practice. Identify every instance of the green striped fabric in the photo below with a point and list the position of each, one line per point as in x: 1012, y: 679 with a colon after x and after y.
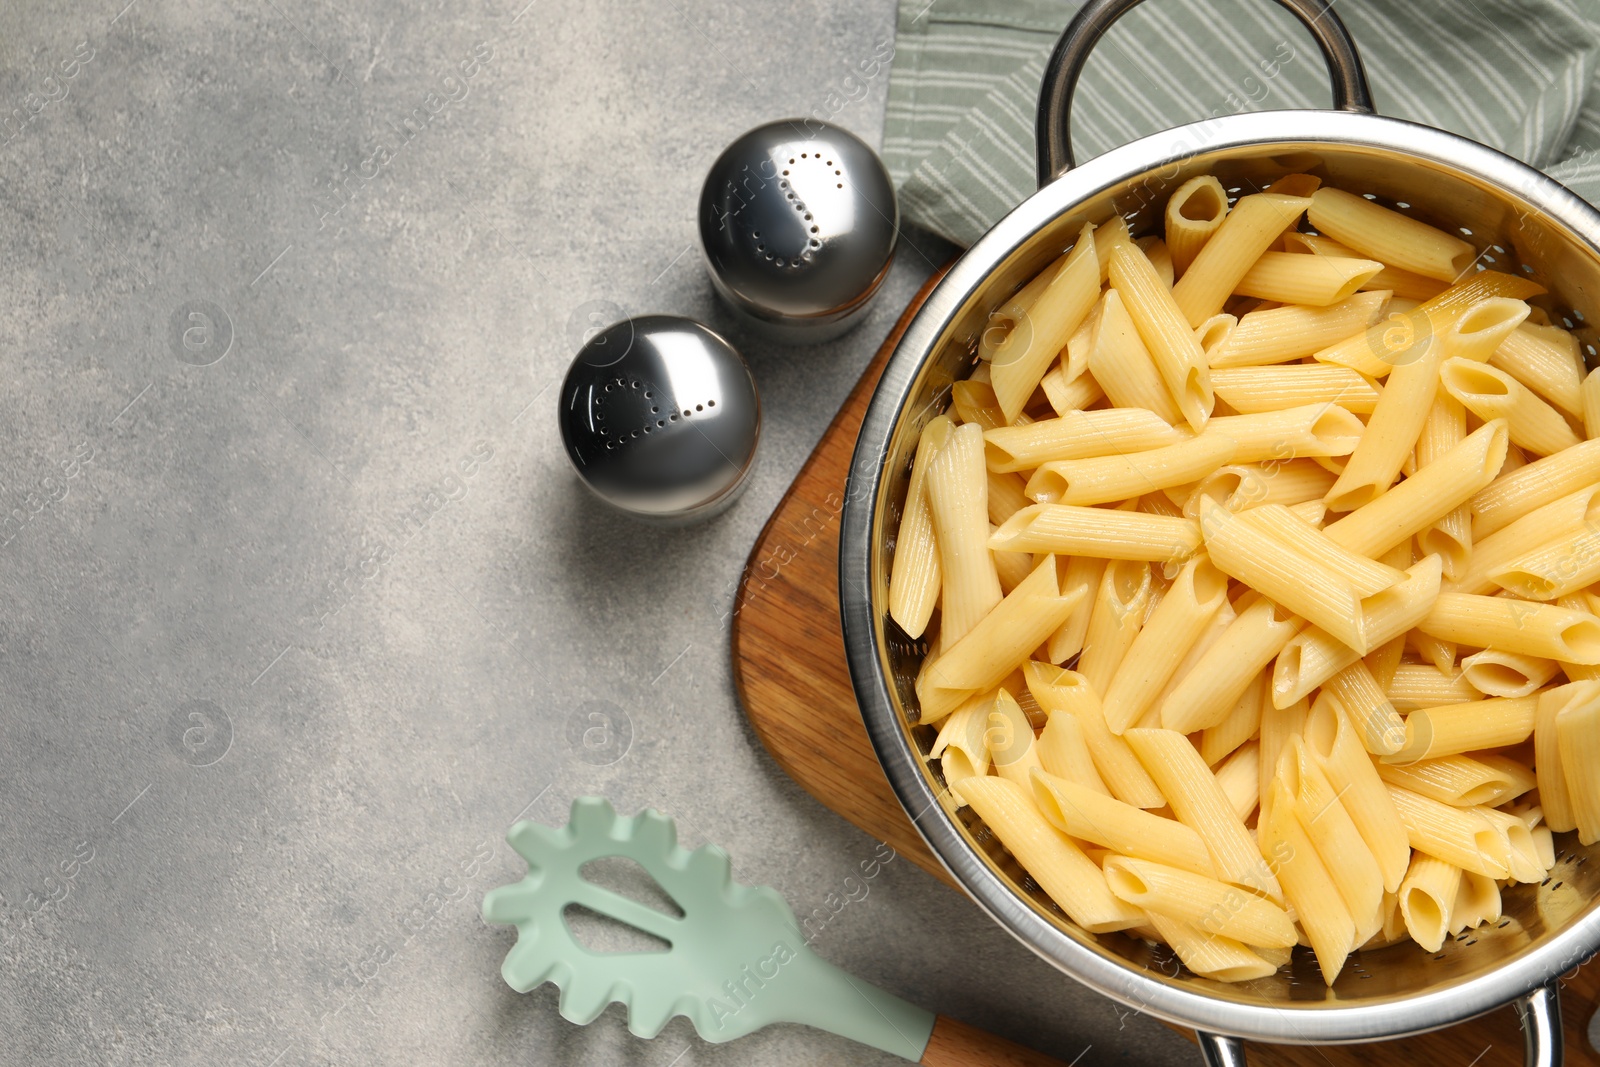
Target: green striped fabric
x: 1519, y: 75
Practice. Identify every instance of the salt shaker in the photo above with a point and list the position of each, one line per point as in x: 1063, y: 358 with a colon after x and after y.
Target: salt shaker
x: 799, y: 222
x: 660, y: 418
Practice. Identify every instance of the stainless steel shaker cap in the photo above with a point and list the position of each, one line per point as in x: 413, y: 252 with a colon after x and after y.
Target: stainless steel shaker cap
x: 660, y: 417
x: 798, y: 220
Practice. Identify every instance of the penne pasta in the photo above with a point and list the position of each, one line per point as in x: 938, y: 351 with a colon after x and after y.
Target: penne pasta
x: 1555, y: 523
x: 1428, y: 898
x: 1209, y: 955
x: 1076, y: 435
x: 1555, y: 794
x: 1310, y: 430
x: 1100, y: 532
x: 1082, y: 572
x: 1459, y: 836
x: 1242, y: 722
x: 1124, y: 596
x: 1020, y: 361
x: 1370, y: 711
x: 1546, y: 360
x: 1120, y: 361
x: 1422, y: 685
x: 1103, y: 820
x: 1279, y: 335
x: 1103, y: 479
x: 960, y: 747
x: 1067, y: 396
x: 1317, y: 281
x: 1511, y: 496
x: 914, y: 578
x: 1212, y: 688
x: 1451, y: 728
x: 1402, y: 283
x: 1049, y: 856
x: 1170, y: 341
x: 1197, y: 593
x: 1389, y: 236
x: 1392, y: 431
x: 1248, y: 485
x: 1477, y: 902
x: 1331, y: 738
x: 1515, y: 626
x: 1247, y: 231
x: 997, y: 645
x: 1006, y: 496
x: 1577, y: 724
x: 1252, y: 389
x: 1064, y: 753
x: 1554, y: 569
x: 1491, y: 393
x: 1498, y: 673
x: 1059, y: 690
x: 1009, y: 738
x: 1591, y: 403
x: 1450, y: 536
x: 1213, y: 906
x: 1200, y: 804
x: 958, y: 494
x: 1350, y: 863
x: 1240, y: 779
x: 1194, y: 212
x: 1460, y: 780
x: 1308, y: 886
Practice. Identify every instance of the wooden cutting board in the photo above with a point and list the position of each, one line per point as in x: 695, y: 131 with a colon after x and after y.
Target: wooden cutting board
x: 789, y: 666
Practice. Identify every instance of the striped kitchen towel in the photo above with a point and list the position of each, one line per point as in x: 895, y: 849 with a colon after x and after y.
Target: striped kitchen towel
x: 1519, y: 75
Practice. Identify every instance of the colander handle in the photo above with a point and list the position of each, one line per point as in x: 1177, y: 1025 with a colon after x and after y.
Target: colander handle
x: 1539, y: 1012
x: 1054, y: 129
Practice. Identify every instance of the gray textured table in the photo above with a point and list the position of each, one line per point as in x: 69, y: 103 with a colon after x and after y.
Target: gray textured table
x: 299, y: 602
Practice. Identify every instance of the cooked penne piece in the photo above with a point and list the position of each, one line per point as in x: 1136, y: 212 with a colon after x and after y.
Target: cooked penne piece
x: 1240, y: 778
x: 1004, y: 319
x: 1059, y: 690
x: 960, y: 747
x: 1385, y: 659
x: 1460, y: 780
x: 1515, y: 845
x: 1194, y: 212
x: 1554, y: 524
x: 1424, y: 498
x: 1240, y: 724
x: 1546, y: 360
x: 1102, y: 532
x: 1023, y: 357
x: 1380, y: 727
x: 1119, y: 609
x: 1516, y: 626
x: 1278, y: 727
x: 1119, y: 360
x: 914, y: 577
x: 1213, y: 906
x: 1248, y: 230
x: 1422, y: 685
x: 1103, y: 479
x: 1197, y: 593
x: 1410, y: 327
x: 1498, y: 673
x: 1310, y: 430
x: 1477, y: 902
x: 1331, y: 738
x: 1482, y: 328
x: 1064, y: 753
x: 1554, y: 569
x: 1211, y: 689
x: 1462, y: 836
x: 1313, y: 656
x: 1278, y: 335
x: 1555, y: 796
x: 1012, y: 751
x: 1006, y: 496
x: 1160, y: 324
x: 1591, y: 403
x: 1317, y: 281
x: 1074, y: 362
x: 1049, y: 856
x: 1213, y: 332
x: 1200, y: 804
x: 1082, y: 572
x: 1339, y: 844
x: 1313, y: 588
x: 1249, y: 485
x: 958, y: 496
x: 1389, y: 236
x: 1210, y: 955
x: 1156, y: 251
x: 1067, y: 396
x: 1491, y: 393
x: 1428, y: 899
x: 1493, y: 722
x: 997, y: 645
x: 1076, y: 435
x: 1365, y: 576
x: 1252, y: 389
x: 1451, y: 535
x: 1392, y: 431
x: 1511, y: 496
x: 1308, y: 886
x: 1103, y: 820
x: 1011, y: 567
x: 974, y: 402
x: 1577, y: 726
x: 1402, y: 283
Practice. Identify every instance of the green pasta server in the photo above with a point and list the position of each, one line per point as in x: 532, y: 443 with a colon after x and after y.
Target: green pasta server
x: 737, y: 959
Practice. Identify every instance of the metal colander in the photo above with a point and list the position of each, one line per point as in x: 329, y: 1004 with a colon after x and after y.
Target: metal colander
x: 1520, y: 221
